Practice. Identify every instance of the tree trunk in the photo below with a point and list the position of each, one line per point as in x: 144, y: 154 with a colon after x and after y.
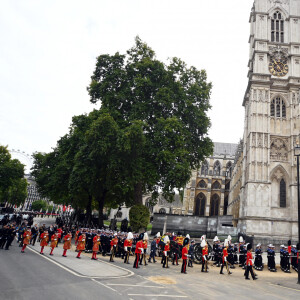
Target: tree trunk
x: 100, y: 201
x: 89, y: 211
x: 138, y: 194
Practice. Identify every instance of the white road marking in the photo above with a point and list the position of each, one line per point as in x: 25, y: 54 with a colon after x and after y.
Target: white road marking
x: 284, y: 287
x: 135, y: 285
x: 148, y: 295
x: 80, y: 275
x: 105, y: 286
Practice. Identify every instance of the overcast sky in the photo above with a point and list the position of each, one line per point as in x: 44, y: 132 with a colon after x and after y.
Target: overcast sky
x: 48, y: 53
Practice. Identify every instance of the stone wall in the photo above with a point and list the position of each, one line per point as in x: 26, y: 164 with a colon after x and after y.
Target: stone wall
x: 194, y: 226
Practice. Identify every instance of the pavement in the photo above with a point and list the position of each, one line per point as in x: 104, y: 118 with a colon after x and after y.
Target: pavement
x: 33, y: 276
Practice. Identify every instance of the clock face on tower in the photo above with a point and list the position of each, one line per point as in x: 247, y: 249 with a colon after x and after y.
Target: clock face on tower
x: 278, y: 68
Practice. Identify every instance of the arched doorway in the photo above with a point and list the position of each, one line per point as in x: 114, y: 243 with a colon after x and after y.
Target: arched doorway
x: 214, y: 205
x: 200, y: 202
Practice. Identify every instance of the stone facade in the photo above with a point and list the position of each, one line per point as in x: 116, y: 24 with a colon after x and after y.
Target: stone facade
x: 207, y: 192
x: 265, y: 169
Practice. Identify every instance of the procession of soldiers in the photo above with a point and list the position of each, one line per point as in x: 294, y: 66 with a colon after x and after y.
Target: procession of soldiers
x: 169, y: 247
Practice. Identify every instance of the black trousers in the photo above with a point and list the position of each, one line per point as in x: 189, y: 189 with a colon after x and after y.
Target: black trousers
x: 165, y: 261
x: 183, y: 268
x: 136, y: 262
x: 249, y: 269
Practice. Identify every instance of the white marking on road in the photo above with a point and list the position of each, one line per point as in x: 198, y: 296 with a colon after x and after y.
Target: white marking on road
x: 280, y: 286
x: 148, y: 295
x: 130, y: 272
x: 136, y: 285
x: 80, y: 275
x: 105, y: 286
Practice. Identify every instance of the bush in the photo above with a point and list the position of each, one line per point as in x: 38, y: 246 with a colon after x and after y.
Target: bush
x: 38, y: 205
x: 139, y: 217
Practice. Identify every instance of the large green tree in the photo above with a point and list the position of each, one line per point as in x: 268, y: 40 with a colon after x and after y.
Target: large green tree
x: 13, y: 185
x: 162, y: 111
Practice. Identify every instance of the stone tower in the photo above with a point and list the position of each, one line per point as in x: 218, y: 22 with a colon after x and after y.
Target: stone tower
x: 268, y: 190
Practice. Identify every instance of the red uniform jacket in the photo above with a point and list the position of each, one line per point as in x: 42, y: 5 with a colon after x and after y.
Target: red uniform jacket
x: 96, y: 243
x: 54, y: 239
x: 26, y: 237
x: 44, y: 239
x: 204, y: 252
x: 128, y: 243
x: 179, y: 240
x: 114, y: 242
x: 81, y: 242
x: 139, y: 245
x: 290, y: 249
x: 184, y: 252
x: 67, y: 241
x: 249, y: 259
x: 225, y: 254
x: 145, y: 244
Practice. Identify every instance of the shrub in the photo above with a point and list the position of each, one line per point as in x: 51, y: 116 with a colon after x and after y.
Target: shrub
x: 139, y: 217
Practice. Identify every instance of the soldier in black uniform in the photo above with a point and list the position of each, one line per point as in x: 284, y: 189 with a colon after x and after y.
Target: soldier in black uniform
x: 271, y: 258
x: 258, y: 263
x: 243, y: 252
x: 34, y: 232
x: 11, y: 233
x: 89, y: 241
x: 152, y: 251
x: 231, y: 256
x: 294, y: 258
x: 191, y: 254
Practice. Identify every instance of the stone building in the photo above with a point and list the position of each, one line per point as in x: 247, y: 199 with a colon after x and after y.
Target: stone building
x: 265, y: 170
x: 208, y: 190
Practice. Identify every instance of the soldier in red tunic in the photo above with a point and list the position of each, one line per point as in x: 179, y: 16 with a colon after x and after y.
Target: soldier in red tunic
x: 44, y: 240
x: 204, y: 255
x: 76, y: 237
x: 81, y: 244
x: 166, y: 252
x: 96, y: 243
x: 185, y: 255
x: 113, y: 247
x: 249, y: 263
x: 138, y: 250
x: 67, y: 243
x: 224, y: 258
x: 54, y: 240
x: 26, y: 238
x: 127, y: 247
x: 145, y: 246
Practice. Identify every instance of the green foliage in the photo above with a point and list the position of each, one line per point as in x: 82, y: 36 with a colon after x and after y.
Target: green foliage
x: 139, y: 216
x: 13, y: 186
x: 161, y: 111
x: 39, y: 205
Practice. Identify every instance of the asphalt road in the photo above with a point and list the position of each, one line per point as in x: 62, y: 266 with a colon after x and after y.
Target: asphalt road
x: 32, y: 276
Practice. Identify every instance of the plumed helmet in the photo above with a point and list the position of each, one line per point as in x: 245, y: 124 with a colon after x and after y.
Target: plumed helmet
x: 158, y: 234
x: 216, y: 239
x: 146, y: 236
x: 115, y: 234
x: 166, y: 239
x: 203, y: 237
x: 186, y: 241
x: 229, y: 238
x: 188, y: 236
x: 203, y: 243
x: 249, y: 247
x: 129, y: 236
x: 173, y: 233
x: 289, y: 243
x: 226, y: 243
x: 241, y: 239
x: 141, y: 236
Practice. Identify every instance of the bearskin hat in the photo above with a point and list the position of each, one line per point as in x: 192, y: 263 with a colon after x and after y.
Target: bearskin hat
x: 141, y: 236
x: 186, y: 241
x: 289, y: 242
x: 249, y: 247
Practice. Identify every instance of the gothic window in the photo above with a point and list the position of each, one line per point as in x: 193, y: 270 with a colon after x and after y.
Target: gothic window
x: 229, y: 169
x: 282, y: 193
x: 214, y: 205
x: 200, y: 202
x: 162, y: 211
x: 277, y: 28
x: 204, y: 168
x: 202, y: 184
x: 217, y: 168
x: 216, y: 185
x: 278, y: 108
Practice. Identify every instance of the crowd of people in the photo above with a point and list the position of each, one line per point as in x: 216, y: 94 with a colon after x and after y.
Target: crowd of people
x: 170, y: 247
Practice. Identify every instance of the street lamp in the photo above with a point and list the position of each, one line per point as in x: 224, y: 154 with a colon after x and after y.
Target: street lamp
x: 297, y: 154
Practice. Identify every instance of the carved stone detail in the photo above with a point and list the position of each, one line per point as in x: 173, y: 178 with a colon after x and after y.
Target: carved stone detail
x: 277, y: 52
x: 253, y: 139
x: 260, y: 140
x: 278, y: 149
x: 266, y: 141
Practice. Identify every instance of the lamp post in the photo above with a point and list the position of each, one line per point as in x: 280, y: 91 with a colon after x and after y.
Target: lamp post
x: 297, y: 154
